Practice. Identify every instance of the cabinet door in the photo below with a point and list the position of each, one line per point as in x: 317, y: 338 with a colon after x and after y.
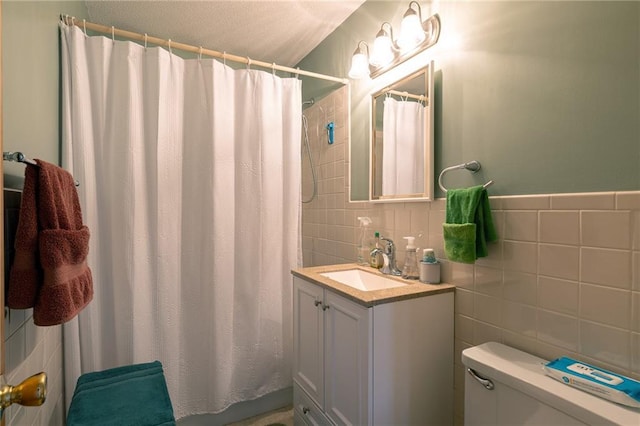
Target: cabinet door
x: 348, y: 329
x: 308, y: 339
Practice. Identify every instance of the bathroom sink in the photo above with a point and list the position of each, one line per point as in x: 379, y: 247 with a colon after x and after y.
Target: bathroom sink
x: 362, y: 280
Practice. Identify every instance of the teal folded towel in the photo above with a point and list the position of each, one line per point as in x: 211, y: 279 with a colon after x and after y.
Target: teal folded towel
x: 131, y: 395
x: 469, y: 225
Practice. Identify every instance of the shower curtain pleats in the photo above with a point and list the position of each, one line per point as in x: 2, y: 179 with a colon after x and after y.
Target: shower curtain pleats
x: 190, y: 175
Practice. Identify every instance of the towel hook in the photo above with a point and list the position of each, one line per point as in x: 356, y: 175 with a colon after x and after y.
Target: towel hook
x: 473, y: 166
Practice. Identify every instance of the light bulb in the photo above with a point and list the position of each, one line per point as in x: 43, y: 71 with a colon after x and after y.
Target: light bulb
x: 382, y: 51
x: 411, y: 32
x: 359, y: 66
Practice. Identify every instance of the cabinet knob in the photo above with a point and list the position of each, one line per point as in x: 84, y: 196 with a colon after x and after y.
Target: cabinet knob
x: 325, y: 307
x: 305, y: 410
x: 317, y: 302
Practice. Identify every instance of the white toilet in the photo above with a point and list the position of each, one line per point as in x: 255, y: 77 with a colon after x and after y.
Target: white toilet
x: 508, y: 387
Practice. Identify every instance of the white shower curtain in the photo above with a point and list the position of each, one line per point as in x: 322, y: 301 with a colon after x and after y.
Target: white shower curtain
x: 403, y: 154
x: 189, y: 178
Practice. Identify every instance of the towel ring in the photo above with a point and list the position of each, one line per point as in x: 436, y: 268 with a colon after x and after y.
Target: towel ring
x: 473, y: 166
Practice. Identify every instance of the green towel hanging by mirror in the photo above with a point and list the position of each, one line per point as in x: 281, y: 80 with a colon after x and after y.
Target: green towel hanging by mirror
x: 468, y: 226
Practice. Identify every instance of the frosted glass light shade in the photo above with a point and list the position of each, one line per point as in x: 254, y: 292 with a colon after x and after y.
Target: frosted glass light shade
x: 411, y: 32
x: 359, y: 66
x: 382, y: 51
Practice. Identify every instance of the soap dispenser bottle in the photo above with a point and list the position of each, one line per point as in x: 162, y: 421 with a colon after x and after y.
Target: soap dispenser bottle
x: 410, y: 269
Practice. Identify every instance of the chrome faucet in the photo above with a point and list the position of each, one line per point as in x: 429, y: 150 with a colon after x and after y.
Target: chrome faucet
x: 389, y: 255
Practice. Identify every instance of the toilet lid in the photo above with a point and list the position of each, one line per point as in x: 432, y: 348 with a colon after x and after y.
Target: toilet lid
x: 524, y: 372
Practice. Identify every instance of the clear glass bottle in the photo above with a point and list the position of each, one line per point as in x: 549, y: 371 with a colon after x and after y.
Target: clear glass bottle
x: 364, y: 243
x: 410, y: 269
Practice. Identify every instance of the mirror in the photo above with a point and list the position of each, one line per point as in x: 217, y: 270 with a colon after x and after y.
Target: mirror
x: 401, y: 149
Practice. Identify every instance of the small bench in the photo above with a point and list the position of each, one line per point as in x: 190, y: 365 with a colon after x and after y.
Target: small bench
x: 130, y: 395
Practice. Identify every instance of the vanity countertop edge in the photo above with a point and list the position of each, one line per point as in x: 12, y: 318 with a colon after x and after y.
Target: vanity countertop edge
x: 413, y: 288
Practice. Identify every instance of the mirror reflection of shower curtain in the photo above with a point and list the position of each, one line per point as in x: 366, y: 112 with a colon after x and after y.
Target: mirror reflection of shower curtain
x: 190, y: 185
x: 403, y: 147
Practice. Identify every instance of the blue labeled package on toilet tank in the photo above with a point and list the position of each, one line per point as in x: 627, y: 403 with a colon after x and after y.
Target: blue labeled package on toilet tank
x: 602, y: 383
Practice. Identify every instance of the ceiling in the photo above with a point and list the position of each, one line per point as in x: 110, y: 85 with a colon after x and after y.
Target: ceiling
x: 280, y: 31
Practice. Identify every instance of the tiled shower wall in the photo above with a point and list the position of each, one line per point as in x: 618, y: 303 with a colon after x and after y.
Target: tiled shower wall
x: 563, y: 279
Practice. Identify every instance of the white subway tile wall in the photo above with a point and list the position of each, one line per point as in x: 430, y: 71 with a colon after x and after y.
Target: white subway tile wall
x: 563, y: 279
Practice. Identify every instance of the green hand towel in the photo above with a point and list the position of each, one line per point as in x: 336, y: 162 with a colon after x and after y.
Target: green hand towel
x: 460, y: 242
x: 469, y: 225
x: 133, y: 395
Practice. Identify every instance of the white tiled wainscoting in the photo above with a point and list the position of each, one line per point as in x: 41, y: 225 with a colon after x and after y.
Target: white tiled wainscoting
x: 30, y: 349
x: 563, y: 279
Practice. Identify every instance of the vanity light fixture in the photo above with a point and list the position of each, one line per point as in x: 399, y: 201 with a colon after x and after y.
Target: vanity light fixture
x: 415, y: 36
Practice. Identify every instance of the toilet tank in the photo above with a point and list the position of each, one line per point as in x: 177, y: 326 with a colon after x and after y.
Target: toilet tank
x: 509, y: 387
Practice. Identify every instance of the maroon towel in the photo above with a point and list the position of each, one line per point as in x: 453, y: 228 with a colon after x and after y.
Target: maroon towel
x: 50, y: 271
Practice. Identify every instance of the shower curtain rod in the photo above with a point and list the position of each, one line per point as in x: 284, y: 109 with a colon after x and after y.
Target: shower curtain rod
x: 170, y: 44
x: 407, y: 95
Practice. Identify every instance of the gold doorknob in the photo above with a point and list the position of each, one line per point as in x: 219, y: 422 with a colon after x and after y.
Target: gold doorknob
x: 31, y: 392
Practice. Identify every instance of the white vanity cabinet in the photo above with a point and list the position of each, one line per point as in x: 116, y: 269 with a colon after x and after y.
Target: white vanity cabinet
x: 389, y: 363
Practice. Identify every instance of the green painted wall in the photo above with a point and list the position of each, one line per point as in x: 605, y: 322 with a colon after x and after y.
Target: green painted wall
x: 30, y: 79
x: 546, y: 95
